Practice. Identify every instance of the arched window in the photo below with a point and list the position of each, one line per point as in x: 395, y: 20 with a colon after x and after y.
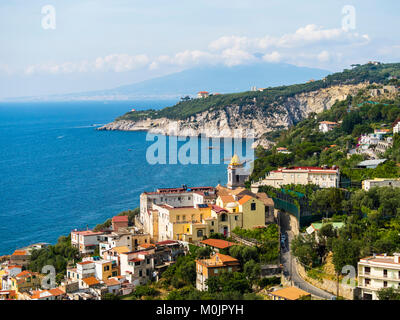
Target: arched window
x: 224, y: 217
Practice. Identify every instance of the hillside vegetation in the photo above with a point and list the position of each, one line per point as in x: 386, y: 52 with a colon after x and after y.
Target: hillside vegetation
x: 268, y: 98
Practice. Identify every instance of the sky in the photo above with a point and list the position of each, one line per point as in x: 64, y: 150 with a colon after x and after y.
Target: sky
x: 63, y: 46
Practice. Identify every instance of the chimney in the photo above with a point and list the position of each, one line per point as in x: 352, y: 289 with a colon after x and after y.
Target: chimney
x: 396, y: 257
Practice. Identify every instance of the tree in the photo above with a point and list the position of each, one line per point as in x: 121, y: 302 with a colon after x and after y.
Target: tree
x: 388, y: 294
x: 305, y: 248
x: 345, y: 252
x: 252, y: 270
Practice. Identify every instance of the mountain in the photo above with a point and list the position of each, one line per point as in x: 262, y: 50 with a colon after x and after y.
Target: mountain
x: 262, y: 111
x: 222, y: 79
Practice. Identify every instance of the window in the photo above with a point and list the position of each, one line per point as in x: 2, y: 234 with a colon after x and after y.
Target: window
x: 137, y: 263
x: 148, y: 261
x: 385, y: 284
x: 367, y: 270
x: 224, y: 217
x: 236, y: 218
x: 199, y: 233
x: 234, y: 210
x: 211, y: 230
x: 253, y: 206
x: 178, y: 218
x: 147, y: 272
x: 237, y: 178
x: 367, y: 282
x: 385, y: 273
x: 187, y: 229
x: 184, y: 218
x: 140, y: 273
x: 212, y: 223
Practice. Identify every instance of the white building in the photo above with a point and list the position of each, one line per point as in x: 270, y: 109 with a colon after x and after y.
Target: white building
x: 86, y: 241
x: 326, y: 126
x: 396, y: 126
x: 203, y: 94
x: 176, y: 197
x: 323, y: 177
x: 380, y: 182
x: 377, y: 272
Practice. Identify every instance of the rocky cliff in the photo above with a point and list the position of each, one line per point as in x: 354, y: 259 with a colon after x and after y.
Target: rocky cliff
x: 233, y: 120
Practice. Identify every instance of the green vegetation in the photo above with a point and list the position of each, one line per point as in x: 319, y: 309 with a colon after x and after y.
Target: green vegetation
x: 372, y: 225
x: 131, y: 219
x: 388, y: 294
x: 55, y: 255
x: 310, y: 147
x: 267, y: 238
x: 267, y: 99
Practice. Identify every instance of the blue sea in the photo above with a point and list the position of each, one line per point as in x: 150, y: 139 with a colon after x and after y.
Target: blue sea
x: 58, y: 173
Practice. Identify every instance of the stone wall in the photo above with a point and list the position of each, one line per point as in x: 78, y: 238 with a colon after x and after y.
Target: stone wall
x: 328, y: 285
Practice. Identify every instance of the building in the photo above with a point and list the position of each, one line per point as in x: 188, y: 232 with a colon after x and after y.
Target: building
x: 118, y: 222
x: 290, y: 293
x: 51, y: 294
x: 237, y: 174
x: 174, y: 197
x: 206, y: 268
x: 192, y: 214
x: 323, y: 177
x: 396, y: 126
x: 370, y: 164
x: 138, y: 266
x: 217, y: 244
x: 21, y: 257
x: 203, y: 94
x: 380, y: 182
x: 316, y: 226
x: 86, y: 241
x: 326, y: 126
x: 383, y: 145
x: 283, y: 150
x: 377, y: 272
x: 25, y: 281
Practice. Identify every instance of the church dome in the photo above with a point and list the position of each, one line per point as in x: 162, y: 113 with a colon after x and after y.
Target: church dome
x: 235, y: 161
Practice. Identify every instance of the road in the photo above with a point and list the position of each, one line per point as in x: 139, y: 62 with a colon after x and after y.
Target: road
x: 290, y: 270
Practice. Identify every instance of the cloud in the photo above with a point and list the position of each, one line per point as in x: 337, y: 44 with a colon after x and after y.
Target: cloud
x: 113, y: 62
x: 308, y: 45
x: 272, y: 57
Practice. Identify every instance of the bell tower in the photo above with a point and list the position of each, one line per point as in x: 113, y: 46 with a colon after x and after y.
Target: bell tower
x: 236, y: 174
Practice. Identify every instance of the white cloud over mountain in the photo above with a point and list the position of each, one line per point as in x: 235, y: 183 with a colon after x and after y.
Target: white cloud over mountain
x: 308, y: 45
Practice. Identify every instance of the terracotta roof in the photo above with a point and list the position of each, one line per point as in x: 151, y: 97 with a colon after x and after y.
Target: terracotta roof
x: 262, y: 196
x: 111, y: 282
x: 91, y: 281
x: 328, y: 122
x: 218, y: 209
x: 120, y: 219
x: 121, y: 249
x: 167, y: 242
x: 56, y: 292
x: 290, y: 293
x: 25, y: 273
x: 19, y: 253
x: 225, y: 258
x: 218, y: 260
x: 227, y: 199
x: 218, y: 243
x: 146, y: 245
x: 245, y: 199
x: 135, y: 260
x: 85, y: 262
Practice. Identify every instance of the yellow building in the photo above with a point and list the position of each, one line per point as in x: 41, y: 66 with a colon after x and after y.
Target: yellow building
x: 25, y: 281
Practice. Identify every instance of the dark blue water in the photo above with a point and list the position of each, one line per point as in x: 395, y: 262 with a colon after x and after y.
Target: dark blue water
x: 58, y: 173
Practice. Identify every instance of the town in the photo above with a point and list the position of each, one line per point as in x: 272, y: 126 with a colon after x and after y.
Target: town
x: 315, y: 218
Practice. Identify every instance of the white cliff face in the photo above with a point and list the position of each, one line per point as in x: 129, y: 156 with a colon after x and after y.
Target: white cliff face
x: 251, y: 119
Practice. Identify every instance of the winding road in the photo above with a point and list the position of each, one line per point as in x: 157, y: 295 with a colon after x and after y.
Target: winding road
x: 290, y: 269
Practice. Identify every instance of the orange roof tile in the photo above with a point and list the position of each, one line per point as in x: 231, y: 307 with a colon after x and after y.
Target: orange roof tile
x: 218, y: 243
x: 25, y: 273
x: 245, y: 199
x: 290, y: 293
x: 19, y: 253
x: 91, y: 281
x: 56, y: 292
x: 111, y: 282
x: 227, y: 199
